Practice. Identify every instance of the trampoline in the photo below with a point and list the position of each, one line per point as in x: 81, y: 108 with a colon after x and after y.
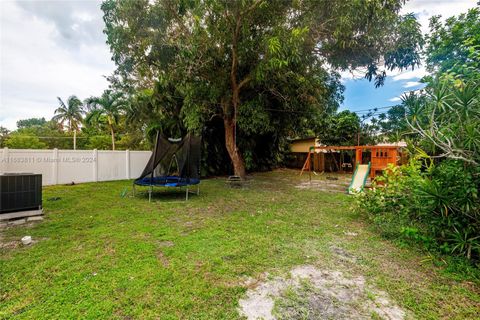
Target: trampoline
x: 174, y: 163
x: 167, y: 181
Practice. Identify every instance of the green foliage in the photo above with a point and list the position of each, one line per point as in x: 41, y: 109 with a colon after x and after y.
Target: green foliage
x: 389, y: 206
x: 339, y: 129
x: 446, y: 119
x: 454, y: 45
x: 50, y: 135
x: 106, y: 110
x: 18, y: 140
x: 133, y: 141
x: 26, y: 123
x: 438, y: 208
x: 100, y: 142
x: 4, y: 132
x: 392, y: 125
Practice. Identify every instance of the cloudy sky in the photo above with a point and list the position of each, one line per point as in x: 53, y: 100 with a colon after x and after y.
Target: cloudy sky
x: 49, y: 49
x: 57, y: 48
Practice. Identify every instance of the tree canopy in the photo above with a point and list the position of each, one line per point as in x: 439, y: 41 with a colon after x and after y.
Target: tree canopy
x: 31, y: 122
x: 266, y: 70
x: 454, y: 45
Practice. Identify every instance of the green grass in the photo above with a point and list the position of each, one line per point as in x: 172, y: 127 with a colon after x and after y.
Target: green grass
x: 99, y: 255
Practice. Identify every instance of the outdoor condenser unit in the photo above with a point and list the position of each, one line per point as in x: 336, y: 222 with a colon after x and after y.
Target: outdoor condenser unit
x: 20, y: 192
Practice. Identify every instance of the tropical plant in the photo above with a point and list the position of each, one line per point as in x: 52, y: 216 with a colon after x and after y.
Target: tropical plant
x: 448, y: 119
x: 71, y: 113
x: 106, y: 108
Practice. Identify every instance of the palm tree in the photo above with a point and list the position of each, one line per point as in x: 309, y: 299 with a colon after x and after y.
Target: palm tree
x: 110, y: 105
x: 71, y: 113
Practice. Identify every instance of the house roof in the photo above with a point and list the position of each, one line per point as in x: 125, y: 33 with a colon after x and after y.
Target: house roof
x: 302, y: 139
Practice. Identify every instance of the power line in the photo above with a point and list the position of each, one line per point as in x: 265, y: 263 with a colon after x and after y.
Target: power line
x: 376, y: 108
x: 53, y: 137
x: 280, y: 110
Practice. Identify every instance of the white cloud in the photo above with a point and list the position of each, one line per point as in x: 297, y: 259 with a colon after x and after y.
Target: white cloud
x: 357, y: 74
x: 38, y: 64
x: 410, y: 74
x: 395, y: 99
x: 425, y: 9
x: 410, y: 84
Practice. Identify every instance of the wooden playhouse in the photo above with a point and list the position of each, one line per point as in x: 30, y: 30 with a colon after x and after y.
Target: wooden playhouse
x: 379, y: 156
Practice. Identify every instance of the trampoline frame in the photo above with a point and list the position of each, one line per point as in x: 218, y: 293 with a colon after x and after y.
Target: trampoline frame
x: 169, y: 185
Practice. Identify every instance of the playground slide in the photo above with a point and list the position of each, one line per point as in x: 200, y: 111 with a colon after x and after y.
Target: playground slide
x: 359, y: 178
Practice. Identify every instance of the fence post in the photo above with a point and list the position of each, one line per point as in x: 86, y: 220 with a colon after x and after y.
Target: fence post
x: 5, y: 160
x: 95, y: 165
x: 55, y: 166
x: 127, y: 158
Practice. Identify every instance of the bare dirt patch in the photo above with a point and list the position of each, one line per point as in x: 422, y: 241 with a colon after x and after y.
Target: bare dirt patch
x: 343, y: 255
x: 9, y: 242
x: 311, y: 293
x: 166, y: 244
x: 340, y: 184
x: 162, y: 259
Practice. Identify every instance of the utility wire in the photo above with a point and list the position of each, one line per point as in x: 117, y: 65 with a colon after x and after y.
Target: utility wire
x: 52, y: 137
x: 280, y: 110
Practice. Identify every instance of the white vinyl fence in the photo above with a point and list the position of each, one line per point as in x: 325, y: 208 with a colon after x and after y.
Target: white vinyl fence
x: 66, y: 166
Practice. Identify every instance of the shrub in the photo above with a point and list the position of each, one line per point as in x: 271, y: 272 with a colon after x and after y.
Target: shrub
x: 22, y: 141
x: 436, y: 206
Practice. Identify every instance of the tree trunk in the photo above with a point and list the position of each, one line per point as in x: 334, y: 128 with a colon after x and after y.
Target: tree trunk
x: 230, y: 108
x: 74, y: 139
x: 233, y: 152
x: 113, y: 137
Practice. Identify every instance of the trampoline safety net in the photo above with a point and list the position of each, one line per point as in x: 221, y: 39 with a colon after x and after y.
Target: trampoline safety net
x: 173, y: 164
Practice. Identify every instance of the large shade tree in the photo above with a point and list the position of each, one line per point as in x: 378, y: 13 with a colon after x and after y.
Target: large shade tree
x: 70, y: 113
x: 260, y: 66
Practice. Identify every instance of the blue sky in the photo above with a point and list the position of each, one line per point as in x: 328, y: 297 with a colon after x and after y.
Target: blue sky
x: 51, y: 48
x: 360, y: 94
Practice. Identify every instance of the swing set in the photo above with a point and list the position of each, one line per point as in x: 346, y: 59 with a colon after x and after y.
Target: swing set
x: 379, y: 157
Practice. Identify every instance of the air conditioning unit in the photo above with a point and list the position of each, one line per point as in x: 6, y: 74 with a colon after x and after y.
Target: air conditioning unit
x: 20, y: 195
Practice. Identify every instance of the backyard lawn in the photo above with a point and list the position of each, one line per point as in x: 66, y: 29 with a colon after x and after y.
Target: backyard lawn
x: 100, y: 255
